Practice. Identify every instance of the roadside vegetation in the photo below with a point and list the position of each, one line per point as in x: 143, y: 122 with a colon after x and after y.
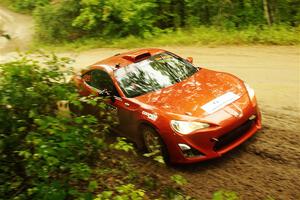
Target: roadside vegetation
x: 201, y: 36
x: 46, y: 153
x: 136, y: 23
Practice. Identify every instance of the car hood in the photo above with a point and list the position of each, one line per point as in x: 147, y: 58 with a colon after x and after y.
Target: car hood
x: 189, y: 96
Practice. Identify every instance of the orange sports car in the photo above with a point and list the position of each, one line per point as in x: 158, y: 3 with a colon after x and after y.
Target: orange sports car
x: 168, y: 106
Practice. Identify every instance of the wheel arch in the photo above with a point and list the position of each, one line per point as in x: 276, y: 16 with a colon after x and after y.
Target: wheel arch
x: 147, y: 123
x: 165, y: 150
x: 141, y: 124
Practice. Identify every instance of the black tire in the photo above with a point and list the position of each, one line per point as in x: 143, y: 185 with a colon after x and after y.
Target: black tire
x: 156, y: 145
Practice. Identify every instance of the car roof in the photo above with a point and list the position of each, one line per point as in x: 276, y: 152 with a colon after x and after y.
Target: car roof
x: 124, y: 59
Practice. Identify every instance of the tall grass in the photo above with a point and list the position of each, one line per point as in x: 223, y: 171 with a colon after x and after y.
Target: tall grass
x: 201, y: 36
x: 275, y: 35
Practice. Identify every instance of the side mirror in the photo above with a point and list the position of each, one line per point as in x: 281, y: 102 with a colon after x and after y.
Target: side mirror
x: 190, y: 59
x: 106, y: 93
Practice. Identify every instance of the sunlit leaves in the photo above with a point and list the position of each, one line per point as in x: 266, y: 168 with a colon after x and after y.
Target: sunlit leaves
x: 124, y: 18
x: 225, y: 195
x: 28, y: 5
x: 123, y: 192
x: 92, y: 185
x: 122, y: 145
x: 178, y: 179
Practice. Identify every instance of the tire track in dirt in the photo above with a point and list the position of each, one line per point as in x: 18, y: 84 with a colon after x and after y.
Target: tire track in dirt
x: 279, y: 139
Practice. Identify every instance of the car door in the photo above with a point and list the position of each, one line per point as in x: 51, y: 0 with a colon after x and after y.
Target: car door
x: 100, y: 83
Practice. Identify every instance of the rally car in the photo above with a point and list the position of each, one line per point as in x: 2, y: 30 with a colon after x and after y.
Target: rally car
x: 165, y: 104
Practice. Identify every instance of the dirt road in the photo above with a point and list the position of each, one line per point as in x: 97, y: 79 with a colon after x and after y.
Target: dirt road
x: 266, y: 166
x: 19, y: 27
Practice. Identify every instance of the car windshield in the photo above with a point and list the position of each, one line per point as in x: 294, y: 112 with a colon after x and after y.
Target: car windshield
x: 154, y: 73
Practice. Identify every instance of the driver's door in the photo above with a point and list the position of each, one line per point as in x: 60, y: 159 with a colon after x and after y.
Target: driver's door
x: 98, y: 82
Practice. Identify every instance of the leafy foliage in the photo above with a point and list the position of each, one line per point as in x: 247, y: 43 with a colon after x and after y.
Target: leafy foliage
x: 54, y: 21
x: 53, y: 154
x: 28, y: 5
x: 94, y: 18
x: 44, y: 155
x: 122, y: 145
x: 178, y: 179
x: 72, y: 19
x: 122, y: 192
x: 225, y: 195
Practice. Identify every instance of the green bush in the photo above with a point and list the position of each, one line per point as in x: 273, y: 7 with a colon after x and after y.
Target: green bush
x: 123, y: 192
x: 225, y: 195
x: 28, y: 5
x: 66, y: 20
x: 72, y: 19
x: 54, y: 21
x: 43, y: 154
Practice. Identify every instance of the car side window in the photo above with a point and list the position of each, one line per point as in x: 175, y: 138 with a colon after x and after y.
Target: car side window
x: 100, y: 80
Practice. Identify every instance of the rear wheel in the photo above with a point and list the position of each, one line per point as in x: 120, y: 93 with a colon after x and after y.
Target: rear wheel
x: 154, y: 145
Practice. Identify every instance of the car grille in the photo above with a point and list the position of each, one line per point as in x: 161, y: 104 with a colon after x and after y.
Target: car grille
x: 233, y: 135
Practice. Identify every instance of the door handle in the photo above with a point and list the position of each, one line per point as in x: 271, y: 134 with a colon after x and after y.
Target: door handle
x: 126, y: 104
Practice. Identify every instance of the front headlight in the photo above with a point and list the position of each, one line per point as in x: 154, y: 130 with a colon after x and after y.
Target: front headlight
x: 250, y: 91
x: 185, y: 127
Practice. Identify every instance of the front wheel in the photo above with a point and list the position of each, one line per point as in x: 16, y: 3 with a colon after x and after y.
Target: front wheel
x: 154, y: 144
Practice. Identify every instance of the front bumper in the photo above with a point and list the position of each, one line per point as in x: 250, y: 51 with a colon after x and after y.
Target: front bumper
x: 216, y: 142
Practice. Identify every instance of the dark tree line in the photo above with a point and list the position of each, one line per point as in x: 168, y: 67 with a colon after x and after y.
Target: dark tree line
x: 118, y: 18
